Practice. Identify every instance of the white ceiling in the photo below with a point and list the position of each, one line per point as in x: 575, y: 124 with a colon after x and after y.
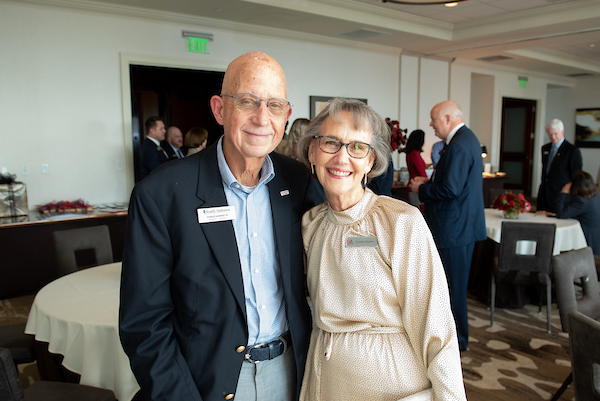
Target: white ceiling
x: 559, y: 37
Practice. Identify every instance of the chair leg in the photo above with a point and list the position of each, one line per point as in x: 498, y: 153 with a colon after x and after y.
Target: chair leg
x: 549, y: 304
x: 562, y: 388
x: 492, y: 300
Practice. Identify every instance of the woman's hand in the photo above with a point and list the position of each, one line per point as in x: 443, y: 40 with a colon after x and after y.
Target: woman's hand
x: 567, y: 188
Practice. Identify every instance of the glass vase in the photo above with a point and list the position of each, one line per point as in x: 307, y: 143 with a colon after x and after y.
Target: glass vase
x: 511, y: 214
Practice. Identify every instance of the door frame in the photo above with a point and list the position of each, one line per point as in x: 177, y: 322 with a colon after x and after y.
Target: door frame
x: 127, y: 59
x: 538, y: 139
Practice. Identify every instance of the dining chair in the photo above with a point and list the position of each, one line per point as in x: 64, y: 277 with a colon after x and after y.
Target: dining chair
x: 80, y: 248
x: 575, y: 271
x: 20, y: 345
x: 585, y: 355
x: 515, y: 268
x: 10, y: 387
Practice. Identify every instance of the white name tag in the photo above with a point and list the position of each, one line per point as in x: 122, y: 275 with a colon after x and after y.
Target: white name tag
x: 214, y: 214
x: 361, y: 242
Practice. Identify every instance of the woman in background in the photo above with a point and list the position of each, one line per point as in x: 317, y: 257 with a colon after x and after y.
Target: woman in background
x: 383, y: 325
x: 296, y: 132
x: 195, y: 140
x: 415, y: 163
x: 579, y: 200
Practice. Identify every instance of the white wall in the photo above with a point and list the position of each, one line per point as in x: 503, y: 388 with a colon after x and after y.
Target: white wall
x: 562, y: 104
x: 62, y: 101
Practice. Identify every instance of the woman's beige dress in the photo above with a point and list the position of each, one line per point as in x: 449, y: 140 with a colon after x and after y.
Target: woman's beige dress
x: 384, y: 329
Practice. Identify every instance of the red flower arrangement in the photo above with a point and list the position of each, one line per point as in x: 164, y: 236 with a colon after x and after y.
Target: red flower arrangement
x: 398, y: 134
x: 511, y: 204
x: 78, y: 206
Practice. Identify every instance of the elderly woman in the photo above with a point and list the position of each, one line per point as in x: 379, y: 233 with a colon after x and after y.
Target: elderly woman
x: 579, y: 200
x: 384, y: 327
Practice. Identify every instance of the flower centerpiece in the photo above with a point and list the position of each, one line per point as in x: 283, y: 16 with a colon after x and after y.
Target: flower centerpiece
x: 398, y: 135
x: 511, y: 204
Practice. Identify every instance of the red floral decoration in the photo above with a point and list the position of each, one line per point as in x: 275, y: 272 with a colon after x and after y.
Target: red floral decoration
x: 510, y: 201
x: 398, y: 134
x: 78, y: 206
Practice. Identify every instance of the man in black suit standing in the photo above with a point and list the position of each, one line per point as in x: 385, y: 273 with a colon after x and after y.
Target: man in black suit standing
x: 172, y: 145
x: 212, y: 291
x: 152, y: 154
x: 454, y: 206
x: 560, y: 159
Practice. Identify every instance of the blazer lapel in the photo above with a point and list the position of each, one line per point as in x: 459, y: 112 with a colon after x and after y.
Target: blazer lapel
x: 220, y: 235
x: 279, y: 193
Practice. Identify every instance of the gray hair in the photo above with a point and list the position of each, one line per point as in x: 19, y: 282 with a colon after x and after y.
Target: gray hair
x: 556, y: 124
x: 365, y: 118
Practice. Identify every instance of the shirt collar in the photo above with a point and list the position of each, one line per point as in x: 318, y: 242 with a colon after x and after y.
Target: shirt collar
x: 267, y: 171
x: 451, y: 134
x: 558, y: 145
x: 154, y: 140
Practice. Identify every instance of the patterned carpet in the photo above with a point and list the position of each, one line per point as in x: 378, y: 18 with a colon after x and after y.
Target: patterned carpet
x: 513, y: 361
x: 516, y: 359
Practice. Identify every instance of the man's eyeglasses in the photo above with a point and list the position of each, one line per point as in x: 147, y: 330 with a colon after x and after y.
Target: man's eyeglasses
x: 250, y: 102
x: 358, y: 150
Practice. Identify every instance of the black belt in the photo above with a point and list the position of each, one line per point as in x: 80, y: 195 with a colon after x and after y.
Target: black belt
x: 267, y: 351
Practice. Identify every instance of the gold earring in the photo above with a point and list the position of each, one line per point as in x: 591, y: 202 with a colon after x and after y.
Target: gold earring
x: 312, y: 168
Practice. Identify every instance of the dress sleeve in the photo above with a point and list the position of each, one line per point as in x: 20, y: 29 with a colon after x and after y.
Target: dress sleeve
x: 425, y: 304
x: 568, y: 206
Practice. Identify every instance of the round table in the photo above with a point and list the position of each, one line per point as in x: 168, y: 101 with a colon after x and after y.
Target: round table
x: 568, y: 236
x: 78, y: 316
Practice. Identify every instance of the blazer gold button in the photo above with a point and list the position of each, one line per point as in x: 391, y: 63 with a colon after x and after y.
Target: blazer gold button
x: 240, y: 349
x: 229, y: 396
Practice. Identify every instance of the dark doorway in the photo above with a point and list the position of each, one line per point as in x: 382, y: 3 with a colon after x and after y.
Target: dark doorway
x: 180, y: 96
x: 516, y: 151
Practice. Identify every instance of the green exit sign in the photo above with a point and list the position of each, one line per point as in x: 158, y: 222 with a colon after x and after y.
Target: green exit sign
x: 198, y: 45
x: 522, y: 83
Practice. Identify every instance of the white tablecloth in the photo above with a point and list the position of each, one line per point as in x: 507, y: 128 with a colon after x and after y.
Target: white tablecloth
x: 569, y: 234
x: 77, y: 315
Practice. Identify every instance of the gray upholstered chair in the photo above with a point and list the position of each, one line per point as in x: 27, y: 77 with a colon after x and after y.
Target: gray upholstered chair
x: 20, y: 345
x: 571, y: 269
x: 584, y: 333
x: 533, y: 270
x: 80, y: 248
x: 10, y: 387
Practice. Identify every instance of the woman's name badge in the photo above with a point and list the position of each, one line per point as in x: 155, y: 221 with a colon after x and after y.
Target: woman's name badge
x: 215, y: 214
x: 361, y: 242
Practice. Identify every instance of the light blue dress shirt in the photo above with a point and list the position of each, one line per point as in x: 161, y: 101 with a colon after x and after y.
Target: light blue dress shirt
x: 261, y: 273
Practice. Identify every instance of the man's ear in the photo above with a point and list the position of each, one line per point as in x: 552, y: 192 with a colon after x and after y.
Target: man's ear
x: 216, y: 105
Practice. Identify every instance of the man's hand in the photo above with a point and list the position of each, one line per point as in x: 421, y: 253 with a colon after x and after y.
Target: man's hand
x: 415, y: 183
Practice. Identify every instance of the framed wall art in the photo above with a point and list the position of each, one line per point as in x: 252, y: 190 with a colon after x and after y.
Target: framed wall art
x: 587, y: 128
x: 317, y: 103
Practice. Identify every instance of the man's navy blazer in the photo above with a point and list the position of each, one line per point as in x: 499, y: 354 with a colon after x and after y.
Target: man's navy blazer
x: 183, y: 314
x: 565, y: 163
x: 151, y: 156
x: 453, y: 197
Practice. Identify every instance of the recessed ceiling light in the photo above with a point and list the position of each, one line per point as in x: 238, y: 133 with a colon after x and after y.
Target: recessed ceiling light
x: 453, y: 4
x: 423, y: 2
x: 593, y: 45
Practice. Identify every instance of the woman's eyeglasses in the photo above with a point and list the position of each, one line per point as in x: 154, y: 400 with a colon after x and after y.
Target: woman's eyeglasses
x: 358, y: 150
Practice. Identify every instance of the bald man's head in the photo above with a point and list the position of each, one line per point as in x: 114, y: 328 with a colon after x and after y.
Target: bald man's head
x: 444, y: 117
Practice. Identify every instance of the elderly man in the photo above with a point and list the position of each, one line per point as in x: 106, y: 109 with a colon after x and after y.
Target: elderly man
x: 560, y: 160
x: 454, y: 206
x: 212, y: 299
x: 152, y: 154
x: 172, y: 145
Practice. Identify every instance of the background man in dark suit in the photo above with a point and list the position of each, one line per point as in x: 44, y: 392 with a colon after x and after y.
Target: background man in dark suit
x: 152, y: 154
x: 454, y: 206
x: 213, y: 275
x: 560, y: 160
x: 172, y: 145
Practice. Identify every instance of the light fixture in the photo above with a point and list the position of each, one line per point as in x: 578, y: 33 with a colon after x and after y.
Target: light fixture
x: 453, y: 4
x: 483, y: 152
x: 424, y: 2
